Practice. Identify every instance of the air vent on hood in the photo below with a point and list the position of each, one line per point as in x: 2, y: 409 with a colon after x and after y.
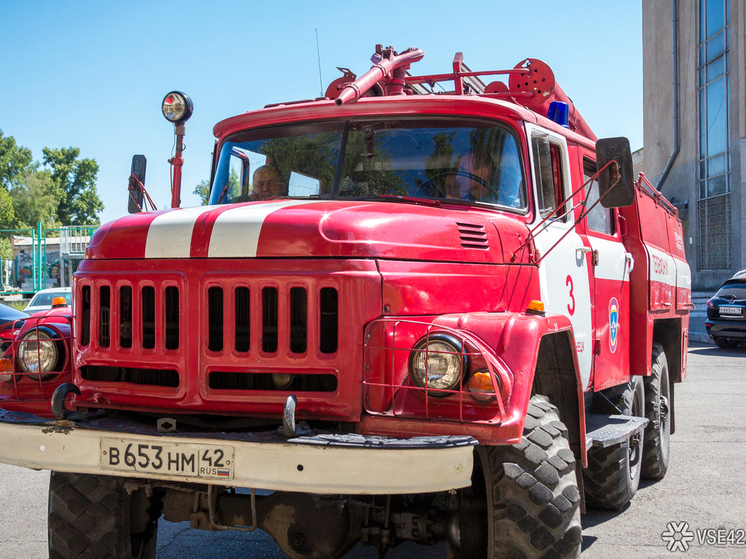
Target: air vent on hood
x: 473, y: 236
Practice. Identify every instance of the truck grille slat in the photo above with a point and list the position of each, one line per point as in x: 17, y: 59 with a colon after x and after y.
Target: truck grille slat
x: 269, y: 319
x: 85, y: 319
x: 105, y: 321
x: 215, y: 318
x: 329, y: 320
x: 151, y: 377
x: 298, y: 319
x: 148, y: 317
x: 222, y: 380
x: 172, y: 317
x: 243, y: 319
x: 125, y: 316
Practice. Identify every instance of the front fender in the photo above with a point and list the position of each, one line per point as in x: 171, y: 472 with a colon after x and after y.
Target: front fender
x: 527, y: 343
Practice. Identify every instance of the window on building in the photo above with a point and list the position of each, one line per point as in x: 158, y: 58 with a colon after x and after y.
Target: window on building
x: 714, y: 136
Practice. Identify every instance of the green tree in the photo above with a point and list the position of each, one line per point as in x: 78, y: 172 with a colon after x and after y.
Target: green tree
x: 35, y: 199
x: 203, y: 191
x: 15, y: 161
x: 75, y: 178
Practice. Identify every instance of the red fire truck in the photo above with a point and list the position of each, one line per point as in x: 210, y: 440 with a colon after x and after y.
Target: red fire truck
x: 420, y: 308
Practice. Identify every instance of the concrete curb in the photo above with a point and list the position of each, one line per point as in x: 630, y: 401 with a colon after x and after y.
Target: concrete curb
x: 700, y: 338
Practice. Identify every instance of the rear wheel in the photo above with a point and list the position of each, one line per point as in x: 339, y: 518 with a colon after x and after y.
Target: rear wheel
x: 94, y: 517
x: 726, y: 343
x: 657, y: 443
x: 613, y: 473
x: 532, y: 492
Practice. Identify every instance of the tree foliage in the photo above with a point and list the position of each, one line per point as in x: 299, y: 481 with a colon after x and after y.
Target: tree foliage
x: 36, y: 200
x: 75, y: 180
x: 203, y: 191
x: 61, y: 192
x: 15, y: 162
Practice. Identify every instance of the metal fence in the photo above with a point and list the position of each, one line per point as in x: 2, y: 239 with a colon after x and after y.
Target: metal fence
x: 40, y: 258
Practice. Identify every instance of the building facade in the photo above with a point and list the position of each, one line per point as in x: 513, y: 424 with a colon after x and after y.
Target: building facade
x: 695, y: 126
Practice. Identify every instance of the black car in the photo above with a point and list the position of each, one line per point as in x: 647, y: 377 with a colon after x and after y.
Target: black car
x: 726, y: 313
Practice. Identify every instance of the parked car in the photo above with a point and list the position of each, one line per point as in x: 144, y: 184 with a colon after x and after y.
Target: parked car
x: 11, y: 321
x: 42, y: 301
x: 37, y: 361
x: 726, y: 313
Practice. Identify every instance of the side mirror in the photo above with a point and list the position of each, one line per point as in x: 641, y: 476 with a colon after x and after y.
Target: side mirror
x: 135, y: 194
x: 615, y: 191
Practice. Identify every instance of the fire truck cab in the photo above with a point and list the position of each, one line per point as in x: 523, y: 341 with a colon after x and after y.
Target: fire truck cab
x: 403, y: 315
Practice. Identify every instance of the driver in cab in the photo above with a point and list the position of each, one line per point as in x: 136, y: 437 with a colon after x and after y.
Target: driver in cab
x: 266, y: 184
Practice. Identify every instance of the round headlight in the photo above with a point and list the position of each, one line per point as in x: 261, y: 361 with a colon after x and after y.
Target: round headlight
x: 37, y: 354
x: 177, y: 107
x: 436, y: 362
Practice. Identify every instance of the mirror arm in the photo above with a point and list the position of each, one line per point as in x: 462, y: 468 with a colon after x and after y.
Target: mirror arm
x: 542, y: 225
x: 148, y: 199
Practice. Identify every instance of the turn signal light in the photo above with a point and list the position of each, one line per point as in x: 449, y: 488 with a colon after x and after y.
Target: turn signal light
x: 480, y: 386
x: 6, y: 369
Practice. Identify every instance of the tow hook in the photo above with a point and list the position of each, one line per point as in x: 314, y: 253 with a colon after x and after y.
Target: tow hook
x: 58, y: 399
x: 288, y: 417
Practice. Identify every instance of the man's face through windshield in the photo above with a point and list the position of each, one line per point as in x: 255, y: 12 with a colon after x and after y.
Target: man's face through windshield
x: 266, y: 184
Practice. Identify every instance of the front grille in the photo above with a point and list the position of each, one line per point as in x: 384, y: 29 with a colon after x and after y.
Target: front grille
x: 224, y: 339
x: 283, y: 318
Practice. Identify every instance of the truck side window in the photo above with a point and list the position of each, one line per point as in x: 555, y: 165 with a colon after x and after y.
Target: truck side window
x: 548, y: 174
x: 599, y: 218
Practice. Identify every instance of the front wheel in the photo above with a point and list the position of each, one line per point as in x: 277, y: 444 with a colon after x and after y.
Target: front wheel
x: 95, y: 517
x: 533, y: 502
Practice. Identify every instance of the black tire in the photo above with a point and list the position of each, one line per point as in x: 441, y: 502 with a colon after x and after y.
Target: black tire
x: 93, y: 517
x: 726, y: 343
x: 656, y: 448
x: 533, y: 502
x: 613, y: 473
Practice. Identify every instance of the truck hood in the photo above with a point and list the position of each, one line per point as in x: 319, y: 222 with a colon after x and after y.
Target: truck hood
x: 314, y: 229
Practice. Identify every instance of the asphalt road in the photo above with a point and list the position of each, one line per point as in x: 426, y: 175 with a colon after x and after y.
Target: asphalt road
x: 701, y: 501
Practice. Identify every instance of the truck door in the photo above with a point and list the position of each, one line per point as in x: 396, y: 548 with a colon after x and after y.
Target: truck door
x: 564, y: 275
x: 611, y: 267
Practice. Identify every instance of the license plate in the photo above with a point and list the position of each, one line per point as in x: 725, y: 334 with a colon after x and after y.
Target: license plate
x: 731, y: 310
x: 169, y: 458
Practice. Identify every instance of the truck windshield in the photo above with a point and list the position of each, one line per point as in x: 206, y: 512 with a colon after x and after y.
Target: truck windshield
x: 412, y: 158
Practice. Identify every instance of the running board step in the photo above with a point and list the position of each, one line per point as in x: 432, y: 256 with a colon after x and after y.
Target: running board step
x: 607, y: 430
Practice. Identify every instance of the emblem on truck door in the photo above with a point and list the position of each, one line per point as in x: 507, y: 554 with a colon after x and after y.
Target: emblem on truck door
x: 613, y: 323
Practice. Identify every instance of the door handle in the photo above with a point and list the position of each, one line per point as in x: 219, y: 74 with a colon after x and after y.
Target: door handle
x: 630, y: 260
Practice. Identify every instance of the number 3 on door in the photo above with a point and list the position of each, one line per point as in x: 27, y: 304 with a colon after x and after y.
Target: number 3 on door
x: 571, y: 305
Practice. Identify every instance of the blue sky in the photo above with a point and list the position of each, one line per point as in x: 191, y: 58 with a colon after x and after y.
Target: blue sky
x: 92, y: 74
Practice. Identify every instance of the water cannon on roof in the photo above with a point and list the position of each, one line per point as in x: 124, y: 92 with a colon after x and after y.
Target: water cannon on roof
x: 531, y: 84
